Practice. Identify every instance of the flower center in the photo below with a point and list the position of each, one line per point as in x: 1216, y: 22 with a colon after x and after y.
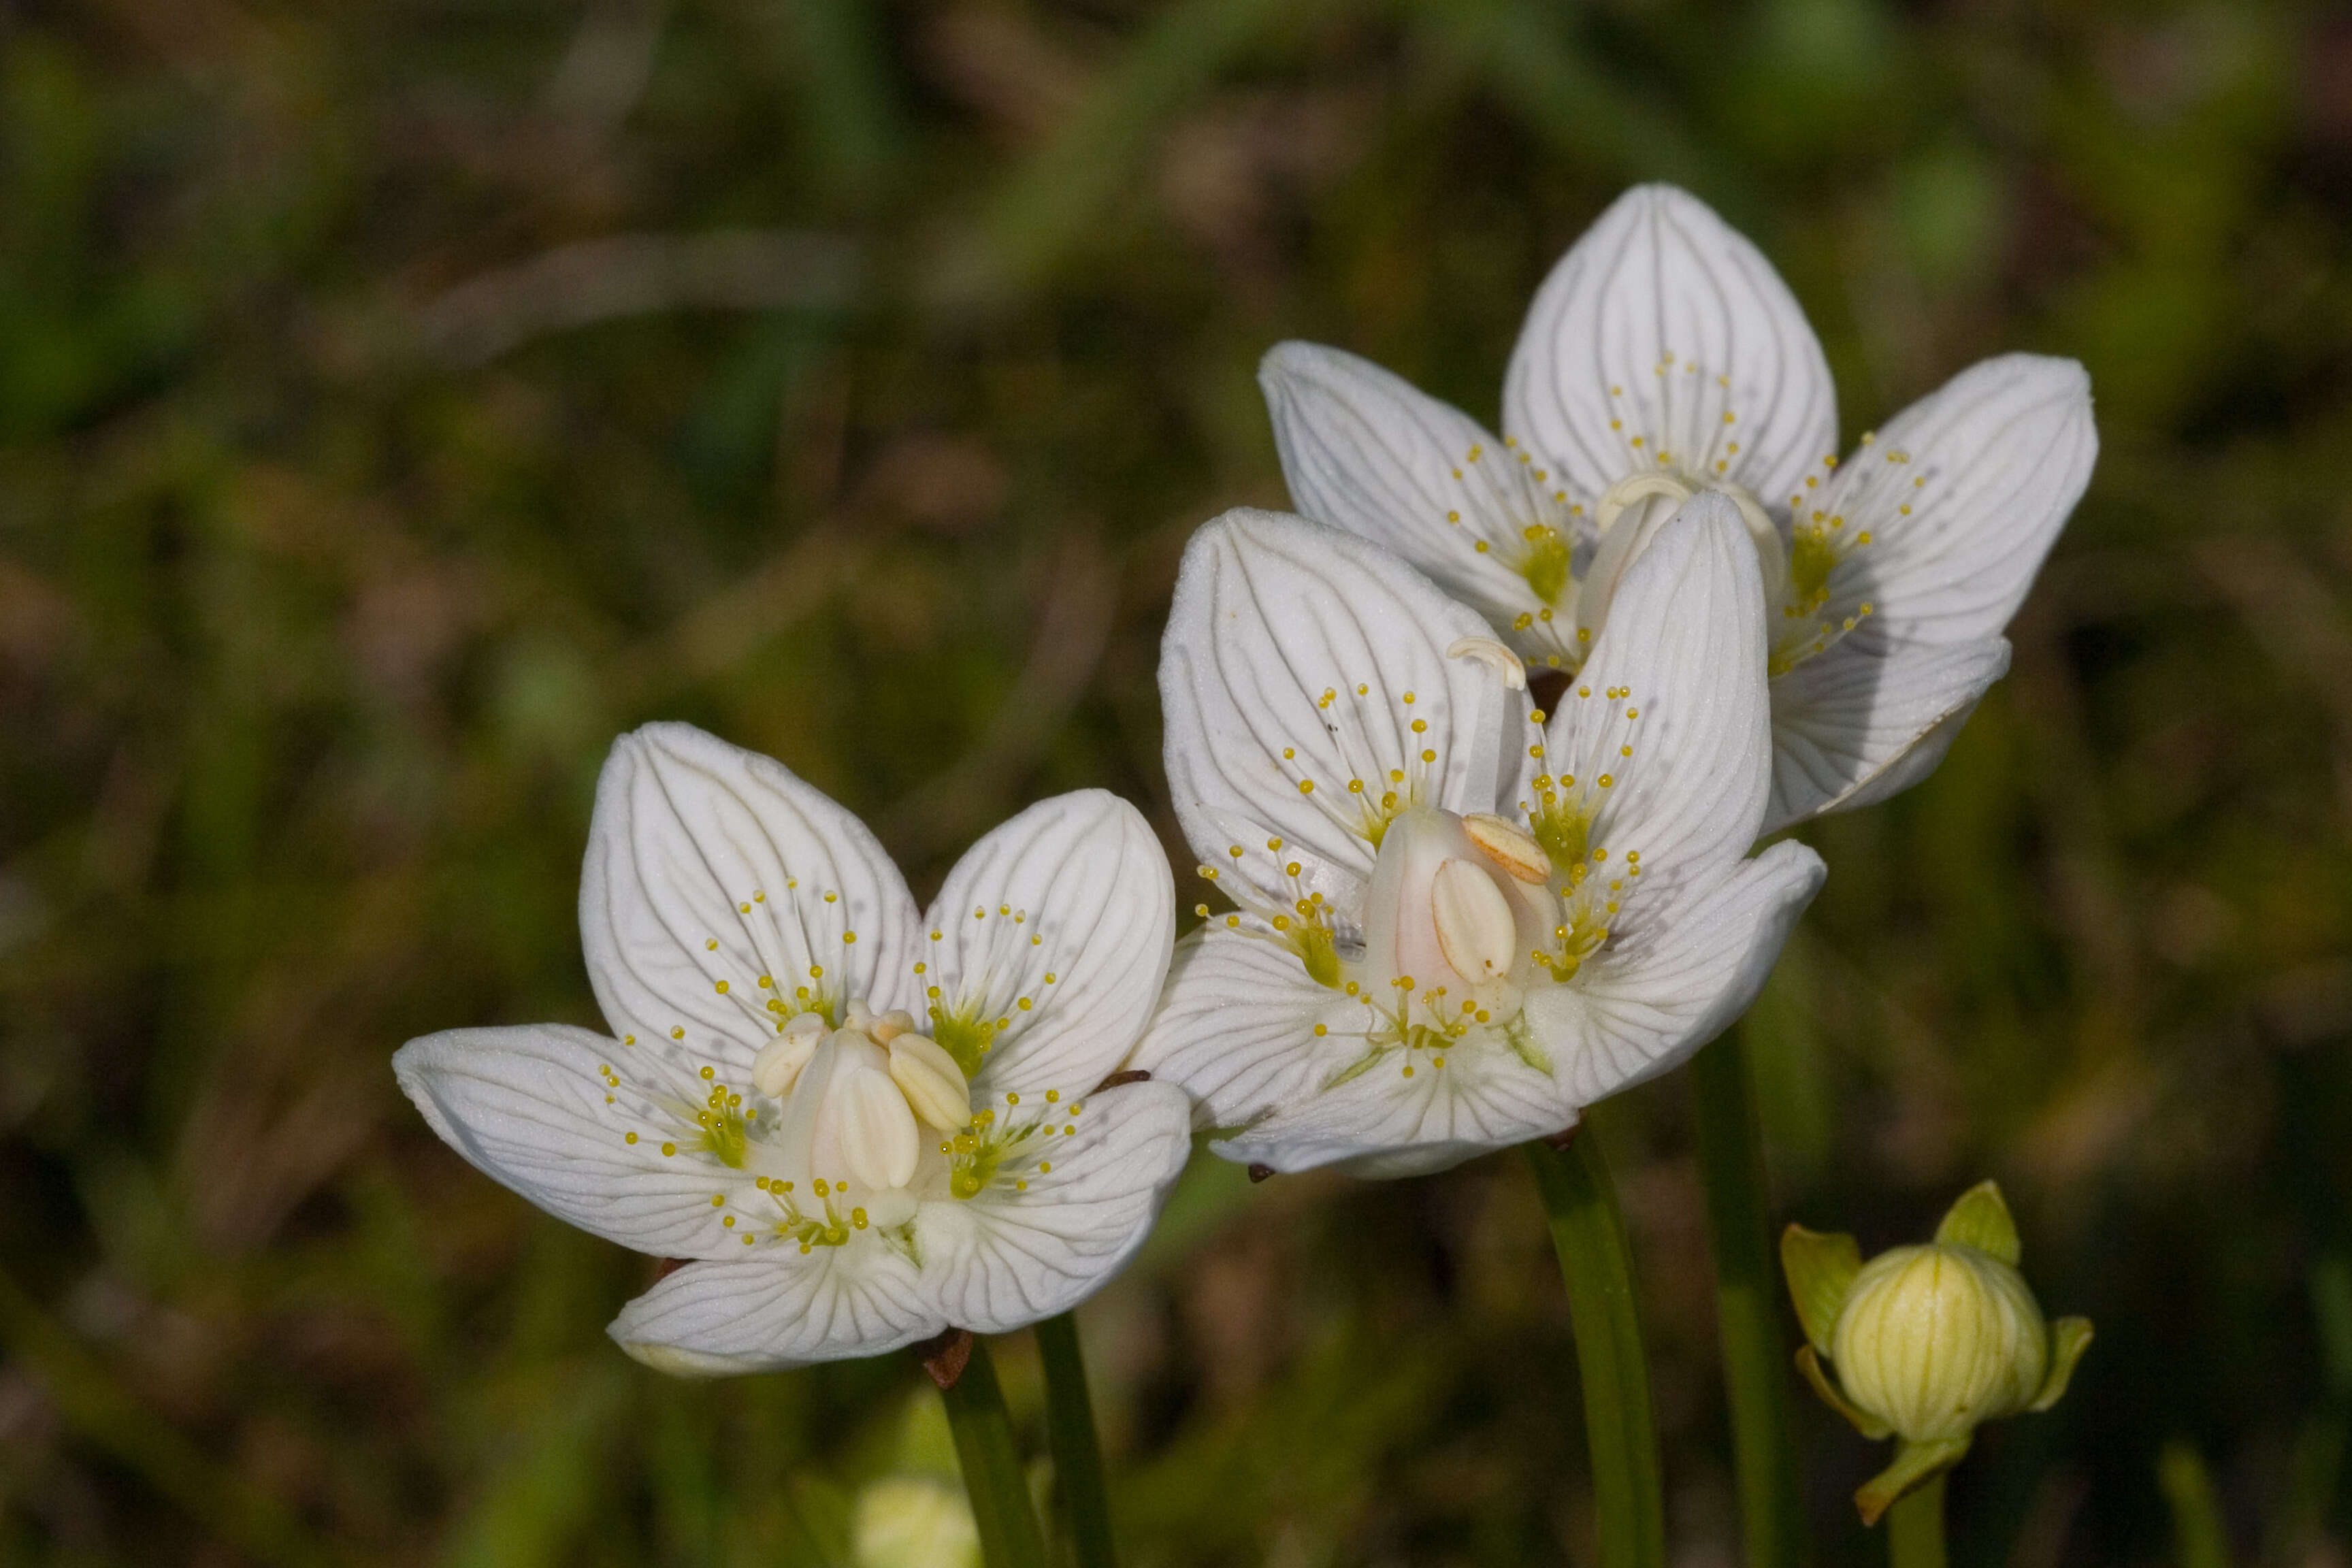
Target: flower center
x: 856, y: 1098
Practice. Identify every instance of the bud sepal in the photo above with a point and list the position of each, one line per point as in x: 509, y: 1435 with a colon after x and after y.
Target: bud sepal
x: 1913, y: 1463
x: 2069, y: 1337
x: 1821, y: 1267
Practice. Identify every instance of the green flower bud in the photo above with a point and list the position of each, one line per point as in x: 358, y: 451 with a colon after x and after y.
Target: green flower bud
x: 1934, y: 1339
x: 1927, y: 1341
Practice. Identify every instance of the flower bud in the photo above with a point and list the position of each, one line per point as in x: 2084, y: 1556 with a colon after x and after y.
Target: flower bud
x: 1935, y: 1339
x: 1927, y: 1341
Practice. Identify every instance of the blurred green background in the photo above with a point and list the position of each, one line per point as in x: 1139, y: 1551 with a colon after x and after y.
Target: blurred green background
x: 398, y: 398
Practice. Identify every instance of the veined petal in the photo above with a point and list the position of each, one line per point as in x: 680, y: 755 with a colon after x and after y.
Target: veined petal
x: 1868, y: 717
x: 712, y: 869
x: 1410, y: 1113
x: 777, y: 1307
x: 551, y: 1112
x: 1659, y: 994
x: 1664, y: 736
x: 1015, y: 1254
x: 1236, y: 1028
x: 1050, y: 941
x: 1665, y: 339
x: 1365, y: 451
x: 1305, y: 678
x: 1963, y: 493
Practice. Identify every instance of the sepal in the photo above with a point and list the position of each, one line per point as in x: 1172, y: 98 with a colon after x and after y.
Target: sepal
x: 1819, y: 1265
x: 1980, y: 1219
x: 1913, y: 1463
x: 2069, y: 1337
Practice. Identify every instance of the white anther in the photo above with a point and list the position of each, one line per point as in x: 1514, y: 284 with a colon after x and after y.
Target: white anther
x: 1508, y: 847
x: 933, y: 1083
x: 891, y: 1025
x: 1475, y: 928
x: 858, y: 1015
x: 1634, y: 488
x: 1494, y: 656
x: 778, y: 1066
x: 877, y: 1131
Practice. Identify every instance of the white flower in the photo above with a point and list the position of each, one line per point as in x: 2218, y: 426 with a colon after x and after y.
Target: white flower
x: 1456, y: 928
x: 768, y: 1105
x: 1664, y: 357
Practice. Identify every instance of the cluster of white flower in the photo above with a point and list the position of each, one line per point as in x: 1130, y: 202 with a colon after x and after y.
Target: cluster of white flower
x: 1455, y: 918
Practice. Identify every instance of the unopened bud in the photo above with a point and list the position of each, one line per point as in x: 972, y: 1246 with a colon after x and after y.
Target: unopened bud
x: 1927, y: 1341
x: 1935, y: 1339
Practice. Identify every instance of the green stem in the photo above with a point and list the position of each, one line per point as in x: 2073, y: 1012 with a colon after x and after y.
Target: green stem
x: 992, y: 1478
x: 1914, y: 1526
x: 1589, y: 1234
x: 1077, y: 1454
x: 1747, y: 1307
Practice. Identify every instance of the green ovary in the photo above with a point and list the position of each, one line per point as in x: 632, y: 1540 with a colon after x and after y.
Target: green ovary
x: 974, y: 1167
x: 963, y: 1037
x: 1564, y: 832
x: 1319, y: 951
x: 1545, y: 563
x: 721, y: 1127
x: 1811, y: 558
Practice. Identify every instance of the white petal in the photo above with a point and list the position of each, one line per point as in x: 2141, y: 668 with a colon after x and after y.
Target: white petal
x: 1684, y: 651
x: 1659, y: 322
x: 1989, y: 466
x: 777, y: 1306
x: 1868, y: 717
x: 1388, y: 1121
x: 1237, y: 1031
x: 528, y: 1106
x: 1290, y: 652
x: 1365, y: 451
x: 1091, y: 905
x: 1236, y: 1028
x: 696, y: 843
x: 1012, y: 1256
x: 1649, y: 1001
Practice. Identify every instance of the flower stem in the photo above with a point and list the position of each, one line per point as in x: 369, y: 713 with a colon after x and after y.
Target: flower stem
x: 1914, y: 1526
x: 1078, y: 1454
x: 1746, y: 1304
x: 1589, y: 1234
x: 992, y: 1478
